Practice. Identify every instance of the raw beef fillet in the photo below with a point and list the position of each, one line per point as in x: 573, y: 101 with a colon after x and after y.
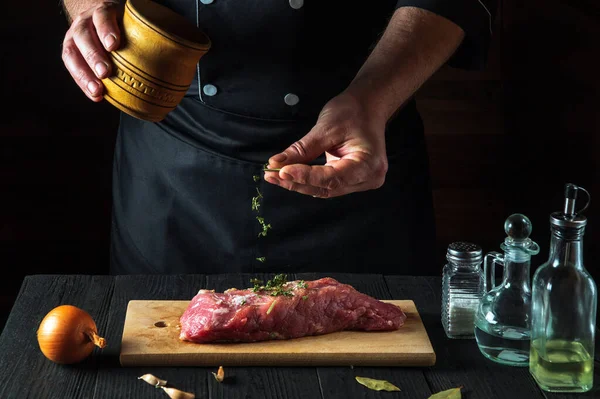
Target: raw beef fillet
x: 294, y: 309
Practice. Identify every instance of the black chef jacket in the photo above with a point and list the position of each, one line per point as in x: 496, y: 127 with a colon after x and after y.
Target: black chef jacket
x: 183, y: 187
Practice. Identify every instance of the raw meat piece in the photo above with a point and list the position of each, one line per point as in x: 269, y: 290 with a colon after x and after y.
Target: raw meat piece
x: 291, y: 310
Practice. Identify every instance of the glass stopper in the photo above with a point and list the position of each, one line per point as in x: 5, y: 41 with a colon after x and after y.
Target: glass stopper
x: 518, y: 227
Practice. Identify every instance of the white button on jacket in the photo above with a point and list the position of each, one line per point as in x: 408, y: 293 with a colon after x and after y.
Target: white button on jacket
x: 291, y: 99
x: 296, y: 4
x: 209, y: 90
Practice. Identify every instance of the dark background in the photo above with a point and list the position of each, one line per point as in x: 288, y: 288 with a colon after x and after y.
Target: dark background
x: 502, y: 140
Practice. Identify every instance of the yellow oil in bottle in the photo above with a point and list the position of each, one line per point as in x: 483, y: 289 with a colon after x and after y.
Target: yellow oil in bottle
x: 562, y: 366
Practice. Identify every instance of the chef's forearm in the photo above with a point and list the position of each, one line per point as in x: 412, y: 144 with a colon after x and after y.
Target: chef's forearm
x: 414, y: 45
x: 73, y: 8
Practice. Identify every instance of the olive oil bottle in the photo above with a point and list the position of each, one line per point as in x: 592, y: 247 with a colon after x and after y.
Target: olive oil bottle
x: 563, y: 309
x: 562, y: 365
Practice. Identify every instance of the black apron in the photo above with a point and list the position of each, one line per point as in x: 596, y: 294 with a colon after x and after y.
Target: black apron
x: 183, y: 188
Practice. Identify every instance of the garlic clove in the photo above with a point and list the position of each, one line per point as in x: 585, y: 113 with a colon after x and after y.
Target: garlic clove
x: 220, y: 374
x: 153, y: 380
x: 177, y: 394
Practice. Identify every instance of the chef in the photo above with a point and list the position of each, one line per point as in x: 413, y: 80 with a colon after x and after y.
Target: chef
x: 323, y: 90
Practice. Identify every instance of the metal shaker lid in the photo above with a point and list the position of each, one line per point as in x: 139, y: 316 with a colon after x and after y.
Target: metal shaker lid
x: 464, y: 251
x: 570, y: 217
x: 559, y: 219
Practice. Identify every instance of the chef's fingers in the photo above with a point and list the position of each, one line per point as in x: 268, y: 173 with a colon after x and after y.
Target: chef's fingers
x: 318, y: 140
x: 336, y: 178
x: 89, y: 45
x: 80, y: 71
x: 352, y: 169
x: 84, y: 55
x: 107, y: 28
x: 317, y: 192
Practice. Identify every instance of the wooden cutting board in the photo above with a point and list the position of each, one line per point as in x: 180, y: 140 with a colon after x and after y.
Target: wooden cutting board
x: 151, y: 338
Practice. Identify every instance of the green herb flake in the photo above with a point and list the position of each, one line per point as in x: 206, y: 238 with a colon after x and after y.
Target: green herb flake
x: 302, y: 284
x: 453, y: 393
x: 277, y: 281
x: 305, y: 297
x: 273, y: 287
x: 265, y: 226
x: 256, y: 200
x: 257, y: 284
x: 377, y: 385
x: 261, y: 259
x: 256, y: 177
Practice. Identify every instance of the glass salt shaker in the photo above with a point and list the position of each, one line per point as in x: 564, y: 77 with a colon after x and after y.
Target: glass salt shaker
x: 462, y: 288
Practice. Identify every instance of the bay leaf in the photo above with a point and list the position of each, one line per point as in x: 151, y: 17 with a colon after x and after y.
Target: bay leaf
x: 377, y: 385
x: 453, y: 393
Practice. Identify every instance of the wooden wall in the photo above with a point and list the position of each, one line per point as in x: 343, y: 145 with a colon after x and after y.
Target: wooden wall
x: 507, y: 139
x: 551, y: 74
x: 502, y: 140
x: 463, y: 112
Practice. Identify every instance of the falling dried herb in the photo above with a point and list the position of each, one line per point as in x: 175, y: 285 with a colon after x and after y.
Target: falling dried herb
x: 256, y: 202
x: 377, y: 385
x: 265, y: 226
x: 453, y: 393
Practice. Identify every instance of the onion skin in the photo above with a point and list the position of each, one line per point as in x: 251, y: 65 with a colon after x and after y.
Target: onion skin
x: 68, y: 335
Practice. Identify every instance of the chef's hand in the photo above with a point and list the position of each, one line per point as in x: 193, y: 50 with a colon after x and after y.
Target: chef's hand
x: 92, y: 34
x: 354, y: 145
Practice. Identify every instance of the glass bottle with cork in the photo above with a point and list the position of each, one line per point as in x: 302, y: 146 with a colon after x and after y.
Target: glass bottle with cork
x: 564, y: 306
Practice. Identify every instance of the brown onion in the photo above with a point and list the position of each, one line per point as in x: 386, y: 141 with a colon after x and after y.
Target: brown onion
x: 68, y: 334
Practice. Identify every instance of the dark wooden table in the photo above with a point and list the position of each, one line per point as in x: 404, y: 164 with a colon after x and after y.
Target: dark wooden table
x: 26, y: 373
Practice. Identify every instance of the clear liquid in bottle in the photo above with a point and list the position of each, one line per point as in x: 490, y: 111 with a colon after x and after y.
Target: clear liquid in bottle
x: 502, y: 328
x: 502, y: 344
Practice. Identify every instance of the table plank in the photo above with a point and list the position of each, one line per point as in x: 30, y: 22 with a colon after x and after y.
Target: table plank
x: 340, y: 382
x: 26, y: 372
x: 114, y: 381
